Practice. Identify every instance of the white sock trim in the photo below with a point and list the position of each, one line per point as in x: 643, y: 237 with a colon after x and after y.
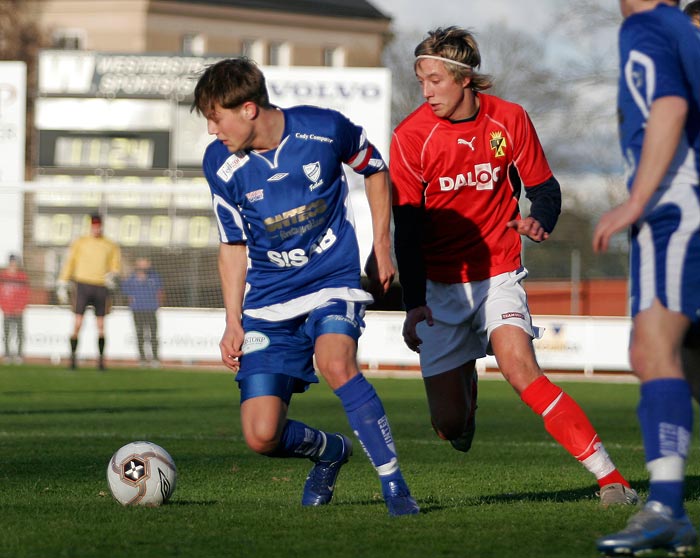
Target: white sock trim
x: 599, y: 463
x: 388, y: 468
x: 670, y: 468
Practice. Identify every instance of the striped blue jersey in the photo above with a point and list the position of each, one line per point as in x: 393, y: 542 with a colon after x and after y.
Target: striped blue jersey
x: 290, y: 207
x: 659, y: 57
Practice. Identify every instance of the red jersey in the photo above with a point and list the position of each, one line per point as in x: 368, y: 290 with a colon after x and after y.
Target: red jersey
x: 14, y: 292
x: 461, y: 173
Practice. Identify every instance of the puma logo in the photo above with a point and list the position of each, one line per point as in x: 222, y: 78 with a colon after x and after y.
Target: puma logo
x: 470, y: 143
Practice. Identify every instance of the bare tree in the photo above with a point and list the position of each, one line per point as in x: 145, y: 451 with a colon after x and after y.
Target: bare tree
x: 567, y: 81
x: 398, y: 57
x: 20, y: 40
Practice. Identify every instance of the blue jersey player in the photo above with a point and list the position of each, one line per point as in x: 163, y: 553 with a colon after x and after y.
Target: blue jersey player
x: 659, y: 109
x: 290, y: 271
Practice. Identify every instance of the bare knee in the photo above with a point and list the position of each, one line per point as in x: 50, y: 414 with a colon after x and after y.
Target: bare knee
x: 336, y: 358
x: 262, y: 420
x: 337, y: 371
x: 262, y: 440
x: 521, y: 374
x: 515, y: 356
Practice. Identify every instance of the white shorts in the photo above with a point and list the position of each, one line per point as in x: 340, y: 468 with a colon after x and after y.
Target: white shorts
x: 464, y: 316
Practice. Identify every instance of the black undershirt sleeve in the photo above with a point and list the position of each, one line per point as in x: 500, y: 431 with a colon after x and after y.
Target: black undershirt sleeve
x: 408, y: 242
x: 546, y: 203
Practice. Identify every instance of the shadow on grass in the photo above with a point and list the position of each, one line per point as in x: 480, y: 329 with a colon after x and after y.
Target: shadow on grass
x: 572, y: 495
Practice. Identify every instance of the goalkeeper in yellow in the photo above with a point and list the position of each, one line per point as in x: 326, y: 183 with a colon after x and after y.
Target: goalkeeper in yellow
x: 93, y: 266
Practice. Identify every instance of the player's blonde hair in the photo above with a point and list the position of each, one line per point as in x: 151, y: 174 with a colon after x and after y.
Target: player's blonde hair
x: 455, y: 43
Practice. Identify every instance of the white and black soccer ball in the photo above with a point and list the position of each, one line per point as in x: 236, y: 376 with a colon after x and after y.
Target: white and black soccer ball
x: 141, y: 474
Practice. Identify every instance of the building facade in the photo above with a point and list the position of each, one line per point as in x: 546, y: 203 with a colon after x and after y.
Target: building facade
x: 339, y: 33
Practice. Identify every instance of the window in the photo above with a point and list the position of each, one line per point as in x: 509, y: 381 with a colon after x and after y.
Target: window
x: 333, y: 57
x: 278, y: 54
x: 69, y: 39
x: 194, y: 43
x: 253, y: 49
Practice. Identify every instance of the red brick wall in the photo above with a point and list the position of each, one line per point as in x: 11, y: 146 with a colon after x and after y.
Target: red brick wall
x: 596, y: 297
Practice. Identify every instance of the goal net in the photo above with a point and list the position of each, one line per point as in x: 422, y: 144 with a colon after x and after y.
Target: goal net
x: 169, y: 222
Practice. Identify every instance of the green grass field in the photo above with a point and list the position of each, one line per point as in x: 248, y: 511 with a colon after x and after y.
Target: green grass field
x: 516, y: 494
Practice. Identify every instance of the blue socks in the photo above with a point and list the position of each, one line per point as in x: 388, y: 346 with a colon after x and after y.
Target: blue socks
x: 300, y: 440
x: 666, y: 418
x: 368, y: 420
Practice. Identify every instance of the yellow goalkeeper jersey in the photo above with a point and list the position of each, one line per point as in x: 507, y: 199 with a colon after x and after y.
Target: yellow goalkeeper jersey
x: 90, y: 259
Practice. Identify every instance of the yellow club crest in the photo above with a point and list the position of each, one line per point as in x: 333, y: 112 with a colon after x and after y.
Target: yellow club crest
x: 498, y: 143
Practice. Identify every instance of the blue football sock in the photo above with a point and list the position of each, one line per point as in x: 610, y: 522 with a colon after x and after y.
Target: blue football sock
x: 368, y: 420
x: 300, y: 440
x: 666, y: 418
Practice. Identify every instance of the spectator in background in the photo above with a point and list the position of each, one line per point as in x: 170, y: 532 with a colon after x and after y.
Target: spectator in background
x: 144, y: 290
x: 93, y: 265
x: 692, y: 10
x: 14, y: 296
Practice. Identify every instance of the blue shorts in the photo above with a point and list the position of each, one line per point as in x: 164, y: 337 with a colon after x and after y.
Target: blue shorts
x: 665, y: 254
x: 286, y: 348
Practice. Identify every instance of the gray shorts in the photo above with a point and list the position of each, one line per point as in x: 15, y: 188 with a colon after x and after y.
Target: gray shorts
x: 465, y: 314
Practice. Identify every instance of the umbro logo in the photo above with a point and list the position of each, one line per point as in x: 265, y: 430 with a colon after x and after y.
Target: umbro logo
x: 277, y: 177
x: 470, y: 143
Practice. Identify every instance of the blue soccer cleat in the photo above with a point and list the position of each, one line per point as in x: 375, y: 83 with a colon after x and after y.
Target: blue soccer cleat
x: 319, y: 486
x: 399, y: 500
x: 652, y: 528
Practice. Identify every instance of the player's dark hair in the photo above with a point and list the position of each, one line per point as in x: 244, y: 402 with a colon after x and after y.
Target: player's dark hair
x: 230, y: 83
x: 692, y: 9
x: 459, y: 45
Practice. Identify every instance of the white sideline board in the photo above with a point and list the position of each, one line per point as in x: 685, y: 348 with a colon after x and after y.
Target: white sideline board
x: 577, y: 343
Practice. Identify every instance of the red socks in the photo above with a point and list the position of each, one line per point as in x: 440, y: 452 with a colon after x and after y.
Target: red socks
x: 568, y: 424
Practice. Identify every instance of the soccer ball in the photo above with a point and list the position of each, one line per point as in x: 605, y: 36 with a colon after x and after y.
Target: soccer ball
x: 141, y: 474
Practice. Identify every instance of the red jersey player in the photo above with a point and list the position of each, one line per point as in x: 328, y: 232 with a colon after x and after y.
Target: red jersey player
x: 458, y: 164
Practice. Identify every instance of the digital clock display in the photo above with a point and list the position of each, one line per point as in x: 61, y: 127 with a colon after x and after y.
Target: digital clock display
x: 115, y: 153
x: 118, y: 151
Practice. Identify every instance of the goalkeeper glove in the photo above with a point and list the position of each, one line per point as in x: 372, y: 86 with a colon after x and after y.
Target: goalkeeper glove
x: 111, y: 281
x: 62, y: 292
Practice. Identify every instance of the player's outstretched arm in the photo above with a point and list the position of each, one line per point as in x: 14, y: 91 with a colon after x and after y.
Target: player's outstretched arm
x: 233, y: 264
x: 379, y: 198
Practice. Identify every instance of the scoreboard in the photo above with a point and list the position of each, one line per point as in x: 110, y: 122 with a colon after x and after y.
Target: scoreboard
x: 116, y: 135
x: 136, y: 214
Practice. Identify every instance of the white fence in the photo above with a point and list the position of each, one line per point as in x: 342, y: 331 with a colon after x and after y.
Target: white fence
x: 586, y: 344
